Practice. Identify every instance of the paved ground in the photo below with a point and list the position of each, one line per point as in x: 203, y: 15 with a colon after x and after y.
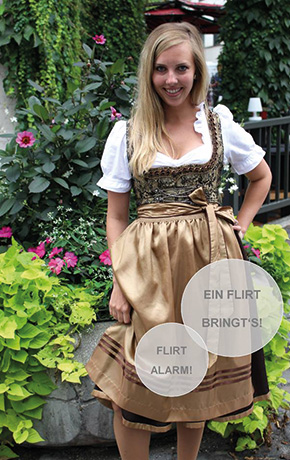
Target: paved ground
x: 163, y: 446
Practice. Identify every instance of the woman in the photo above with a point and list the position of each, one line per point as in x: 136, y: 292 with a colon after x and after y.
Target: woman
x: 173, y: 150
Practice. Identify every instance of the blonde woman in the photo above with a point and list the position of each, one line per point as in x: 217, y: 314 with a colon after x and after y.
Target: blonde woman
x: 172, y: 152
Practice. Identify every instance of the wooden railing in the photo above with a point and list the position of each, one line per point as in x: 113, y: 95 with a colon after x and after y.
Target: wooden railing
x: 273, y: 136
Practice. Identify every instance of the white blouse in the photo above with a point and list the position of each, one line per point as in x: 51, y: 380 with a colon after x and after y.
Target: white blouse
x: 240, y: 151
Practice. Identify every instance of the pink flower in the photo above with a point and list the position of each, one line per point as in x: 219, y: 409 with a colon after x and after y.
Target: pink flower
x: 39, y: 250
x: 54, y: 252
x: 5, y: 232
x: 25, y: 139
x: 246, y: 246
x: 257, y: 252
x: 56, y: 265
x: 48, y: 240
x: 99, y: 39
x: 71, y: 259
x: 115, y: 114
x: 105, y: 258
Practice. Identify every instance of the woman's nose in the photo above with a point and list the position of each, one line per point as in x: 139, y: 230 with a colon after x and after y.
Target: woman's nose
x: 171, y: 77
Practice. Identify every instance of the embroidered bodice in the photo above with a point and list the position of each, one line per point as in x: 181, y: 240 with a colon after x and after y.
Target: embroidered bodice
x: 167, y: 184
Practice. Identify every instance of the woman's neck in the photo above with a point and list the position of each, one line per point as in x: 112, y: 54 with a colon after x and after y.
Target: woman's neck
x: 178, y: 115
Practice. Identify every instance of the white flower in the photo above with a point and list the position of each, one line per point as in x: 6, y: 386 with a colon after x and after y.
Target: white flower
x: 220, y: 189
x: 2, y: 130
x: 233, y: 188
x: 67, y: 173
x: 66, y: 121
x: 13, y: 120
x: 226, y: 167
x: 6, y: 111
x: 96, y: 192
x: 231, y: 180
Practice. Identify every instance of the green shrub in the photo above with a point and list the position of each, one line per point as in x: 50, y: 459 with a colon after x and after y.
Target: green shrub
x: 273, y: 251
x: 254, y: 61
x: 63, y: 165
x: 38, y: 315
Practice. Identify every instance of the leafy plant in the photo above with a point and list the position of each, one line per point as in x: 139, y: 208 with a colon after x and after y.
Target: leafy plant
x: 268, y: 247
x: 38, y: 315
x: 122, y: 22
x: 62, y: 166
x: 255, y: 59
x: 40, y: 41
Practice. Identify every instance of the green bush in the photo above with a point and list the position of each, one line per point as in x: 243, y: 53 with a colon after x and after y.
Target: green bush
x: 268, y: 247
x: 38, y: 315
x: 254, y: 61
x: 62, y: 166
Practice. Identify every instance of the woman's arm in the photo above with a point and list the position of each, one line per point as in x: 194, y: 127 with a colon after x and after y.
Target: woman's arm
x: 260, y: 182
x: 117, y: 221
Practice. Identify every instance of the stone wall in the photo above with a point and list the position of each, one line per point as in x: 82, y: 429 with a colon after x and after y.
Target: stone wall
x: 72, y: 417
x: 7, y: 111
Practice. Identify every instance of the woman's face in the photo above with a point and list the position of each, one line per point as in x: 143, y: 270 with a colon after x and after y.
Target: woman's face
x: 173, y: 75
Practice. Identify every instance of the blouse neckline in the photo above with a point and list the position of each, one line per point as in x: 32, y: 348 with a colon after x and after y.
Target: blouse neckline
x: 201, y: 128
x: 186, y: 154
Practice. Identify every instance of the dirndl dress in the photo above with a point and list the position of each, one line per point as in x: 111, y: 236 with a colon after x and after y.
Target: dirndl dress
x: 181, y: 227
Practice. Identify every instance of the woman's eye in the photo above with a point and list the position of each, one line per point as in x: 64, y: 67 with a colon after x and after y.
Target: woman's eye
x: 182, y: 68
x: 160, y: 68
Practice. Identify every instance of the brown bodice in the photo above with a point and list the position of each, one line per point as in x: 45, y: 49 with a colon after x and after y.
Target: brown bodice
x: 166, y: 184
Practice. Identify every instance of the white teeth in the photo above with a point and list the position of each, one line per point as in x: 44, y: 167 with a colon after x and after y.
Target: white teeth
x: 172, y: 91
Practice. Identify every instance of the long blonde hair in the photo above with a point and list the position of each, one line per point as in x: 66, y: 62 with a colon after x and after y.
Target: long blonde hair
x: 147, y: 126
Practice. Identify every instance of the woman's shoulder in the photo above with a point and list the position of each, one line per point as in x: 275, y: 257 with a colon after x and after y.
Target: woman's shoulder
x: 221, y: 110
x: 224, y: 113
x: 117, y: 135
x: 119, y: 128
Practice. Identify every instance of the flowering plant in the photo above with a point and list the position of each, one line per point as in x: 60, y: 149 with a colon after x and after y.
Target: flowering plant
x: 5, y: 232
x: 57, y: 161
x: 99, y: 39
x: 55, y: 264
x: 25, y: 139
x: 253, y: 254
x: 115, y: 114
x: 105, y: 257
x: 228, y: 182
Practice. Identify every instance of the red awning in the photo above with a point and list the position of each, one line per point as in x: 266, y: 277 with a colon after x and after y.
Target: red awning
x: 203, y: 15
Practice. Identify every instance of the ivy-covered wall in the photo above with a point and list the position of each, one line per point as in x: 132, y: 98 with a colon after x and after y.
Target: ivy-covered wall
x: 121, y: 22
x: 255, y: 60
x: 39, y: 40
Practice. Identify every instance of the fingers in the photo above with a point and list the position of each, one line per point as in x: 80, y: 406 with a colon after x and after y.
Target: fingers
x: 238, y: 228
x: 119, y: 307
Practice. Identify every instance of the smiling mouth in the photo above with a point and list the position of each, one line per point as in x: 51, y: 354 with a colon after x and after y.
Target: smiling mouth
x: 172, y: 91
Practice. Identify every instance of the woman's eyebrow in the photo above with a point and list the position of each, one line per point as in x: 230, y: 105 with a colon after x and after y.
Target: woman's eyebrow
x: 179, y: 63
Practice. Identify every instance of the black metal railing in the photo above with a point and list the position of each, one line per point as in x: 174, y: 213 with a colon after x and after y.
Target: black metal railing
x: 273, y: 136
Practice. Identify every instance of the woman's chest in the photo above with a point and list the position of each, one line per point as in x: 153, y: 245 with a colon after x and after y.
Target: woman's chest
x: 182, y: 140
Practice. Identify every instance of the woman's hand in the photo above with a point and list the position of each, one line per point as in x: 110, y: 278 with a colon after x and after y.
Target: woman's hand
x: 119, y: 307
x: 237, y: 227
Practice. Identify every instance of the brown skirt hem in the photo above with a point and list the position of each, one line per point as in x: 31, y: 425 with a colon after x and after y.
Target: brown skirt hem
x: 240, y: 413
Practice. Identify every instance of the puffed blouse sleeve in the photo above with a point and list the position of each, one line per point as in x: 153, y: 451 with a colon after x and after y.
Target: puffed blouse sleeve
x: 240, y: 149
x: 114, y: 163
